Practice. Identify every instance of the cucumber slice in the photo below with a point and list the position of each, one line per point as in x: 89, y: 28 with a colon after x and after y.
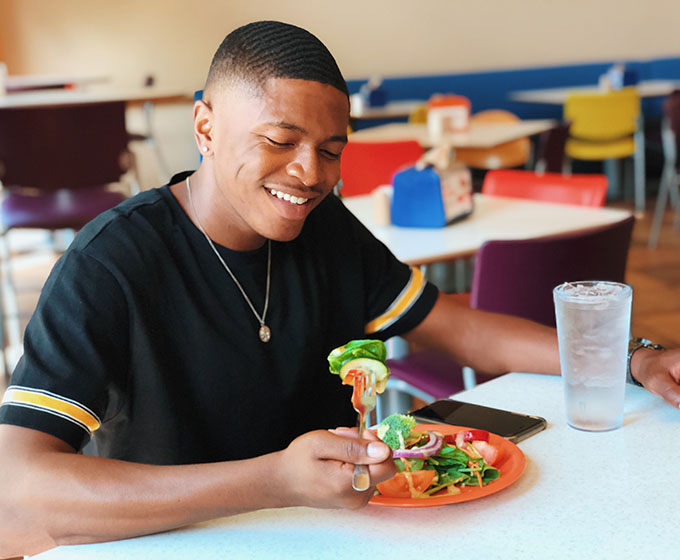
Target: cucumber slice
x: 367, y: 365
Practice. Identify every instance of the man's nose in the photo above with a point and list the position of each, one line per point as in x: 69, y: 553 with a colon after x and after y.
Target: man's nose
x: 305, y: 167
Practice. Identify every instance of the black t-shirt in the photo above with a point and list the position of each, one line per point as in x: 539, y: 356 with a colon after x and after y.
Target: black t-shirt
x: 141, y: 337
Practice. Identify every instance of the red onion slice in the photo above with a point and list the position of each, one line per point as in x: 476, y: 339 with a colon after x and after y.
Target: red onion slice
x: 432, y: 447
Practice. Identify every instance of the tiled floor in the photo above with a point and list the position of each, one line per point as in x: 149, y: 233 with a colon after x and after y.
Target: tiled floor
x: 654, y: 274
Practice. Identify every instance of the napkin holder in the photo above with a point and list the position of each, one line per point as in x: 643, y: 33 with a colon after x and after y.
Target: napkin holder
x: 435, y: 192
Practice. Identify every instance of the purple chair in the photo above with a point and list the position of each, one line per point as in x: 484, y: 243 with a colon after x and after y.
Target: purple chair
x: 516, y: 277
x: 56, y: 165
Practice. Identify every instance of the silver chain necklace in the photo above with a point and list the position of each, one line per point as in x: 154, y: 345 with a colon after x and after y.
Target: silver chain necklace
x: 265, y: 333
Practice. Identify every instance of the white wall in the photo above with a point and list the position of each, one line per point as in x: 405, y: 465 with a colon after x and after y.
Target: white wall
x: 175, y: 39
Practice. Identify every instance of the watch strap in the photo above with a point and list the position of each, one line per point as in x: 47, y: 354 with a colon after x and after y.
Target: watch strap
x: 634, y: 344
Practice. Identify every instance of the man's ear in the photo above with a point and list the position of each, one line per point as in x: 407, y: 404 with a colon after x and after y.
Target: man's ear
x: 203, y: 119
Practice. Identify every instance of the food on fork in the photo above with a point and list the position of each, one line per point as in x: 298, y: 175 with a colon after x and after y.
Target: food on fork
x: 358, y: 358
x: 429, y: 463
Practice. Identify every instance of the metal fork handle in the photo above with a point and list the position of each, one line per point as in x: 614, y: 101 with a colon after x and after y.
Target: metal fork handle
x: 361, y: 480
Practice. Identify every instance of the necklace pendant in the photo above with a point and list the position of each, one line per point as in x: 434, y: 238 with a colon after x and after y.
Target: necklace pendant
x: 265, y: 333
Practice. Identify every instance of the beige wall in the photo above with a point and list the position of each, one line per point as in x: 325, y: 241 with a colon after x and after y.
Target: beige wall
x: 174, y: 39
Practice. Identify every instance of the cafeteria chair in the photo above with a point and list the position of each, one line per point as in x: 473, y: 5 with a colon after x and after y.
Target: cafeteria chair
x: 581, y: 189
x: 669, y: 186
x: 58, y: 169
x: 515, y: 153
x: 606, y: 127
x: 418, y: 115
x: 550, y: 144
x: 516, y: 277
x: 367, y: 165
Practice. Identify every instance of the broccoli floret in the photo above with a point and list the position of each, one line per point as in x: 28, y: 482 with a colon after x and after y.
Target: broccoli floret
x: 395, y: 429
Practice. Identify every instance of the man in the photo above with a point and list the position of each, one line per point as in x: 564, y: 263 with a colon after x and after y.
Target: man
x: 187, y: 329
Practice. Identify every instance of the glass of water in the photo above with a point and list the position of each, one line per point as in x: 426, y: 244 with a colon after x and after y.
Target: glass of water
x: 593, y: 328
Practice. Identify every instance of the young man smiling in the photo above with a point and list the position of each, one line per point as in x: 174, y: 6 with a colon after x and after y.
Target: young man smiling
x: 187, y: 329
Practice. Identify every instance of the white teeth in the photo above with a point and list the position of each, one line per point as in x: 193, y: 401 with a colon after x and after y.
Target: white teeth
x: 287, y: 197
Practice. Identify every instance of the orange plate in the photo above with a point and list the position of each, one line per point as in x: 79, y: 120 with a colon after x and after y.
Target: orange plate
x: 510, y: 464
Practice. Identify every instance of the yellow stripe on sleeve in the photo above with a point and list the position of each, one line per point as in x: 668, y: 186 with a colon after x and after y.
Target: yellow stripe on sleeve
x: 53, y: 404
x: 401, y: 304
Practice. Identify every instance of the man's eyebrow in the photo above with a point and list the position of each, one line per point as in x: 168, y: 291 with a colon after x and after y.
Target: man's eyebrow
x: 296, y: 128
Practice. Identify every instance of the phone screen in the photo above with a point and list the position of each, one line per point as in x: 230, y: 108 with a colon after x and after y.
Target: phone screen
x: 510, y: 425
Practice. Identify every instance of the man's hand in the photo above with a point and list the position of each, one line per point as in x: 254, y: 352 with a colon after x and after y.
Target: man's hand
x: 659, y: 372
x: 316, y: 468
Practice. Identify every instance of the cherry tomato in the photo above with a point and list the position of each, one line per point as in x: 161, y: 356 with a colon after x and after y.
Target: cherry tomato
x: 467, y: 435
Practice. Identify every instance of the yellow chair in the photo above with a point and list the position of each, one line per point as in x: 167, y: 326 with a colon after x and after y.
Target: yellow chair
x: 509, y: 154
x: 605, y: 127
x: 418, y: 115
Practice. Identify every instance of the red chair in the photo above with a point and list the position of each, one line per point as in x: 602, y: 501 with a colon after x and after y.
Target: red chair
x: 367, y: 165
x: 584, y: 190
x: 516, y: 277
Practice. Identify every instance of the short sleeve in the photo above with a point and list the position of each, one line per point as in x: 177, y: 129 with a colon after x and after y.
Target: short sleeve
x: 75, y: 348
x: 397, y: 296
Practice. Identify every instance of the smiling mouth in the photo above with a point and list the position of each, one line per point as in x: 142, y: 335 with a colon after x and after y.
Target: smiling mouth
x: 298, y: 200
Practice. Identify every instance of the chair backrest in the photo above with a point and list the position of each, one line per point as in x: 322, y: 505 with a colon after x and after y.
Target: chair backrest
x: 516, y: 277
x: 508, y: 154
x: 671, y: 109
x: 582, y: 189
x: 602, y: 116
x: 367, y: 165
x: 76, y: 146
x: 550, y: 149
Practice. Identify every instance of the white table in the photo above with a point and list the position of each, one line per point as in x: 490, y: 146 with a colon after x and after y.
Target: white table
x: 494, y: 217
x: 23, y: 82
x: 391, y: 110
x: 58, y: 97
x: 479, y: 135
x: 557, y: 96
x: 610, y: 495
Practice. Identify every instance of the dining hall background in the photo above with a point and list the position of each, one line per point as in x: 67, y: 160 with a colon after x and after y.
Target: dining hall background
x: 173, y: 41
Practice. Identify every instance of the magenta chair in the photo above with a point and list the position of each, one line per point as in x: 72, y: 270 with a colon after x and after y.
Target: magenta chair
x: 516, y: 277
x: 56, y: 166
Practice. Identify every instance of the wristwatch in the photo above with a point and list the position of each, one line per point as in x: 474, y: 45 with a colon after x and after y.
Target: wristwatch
x: 633, y: 345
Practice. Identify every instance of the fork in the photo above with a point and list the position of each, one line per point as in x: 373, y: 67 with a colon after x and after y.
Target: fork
x: 364, y: 401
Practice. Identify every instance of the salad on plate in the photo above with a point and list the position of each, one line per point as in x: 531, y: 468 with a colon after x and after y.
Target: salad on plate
x: 431, y: 464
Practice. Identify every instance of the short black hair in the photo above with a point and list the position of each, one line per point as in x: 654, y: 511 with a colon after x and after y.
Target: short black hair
x: 261, y: 50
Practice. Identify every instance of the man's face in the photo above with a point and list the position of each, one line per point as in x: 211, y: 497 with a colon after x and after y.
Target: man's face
x: 276, y: 155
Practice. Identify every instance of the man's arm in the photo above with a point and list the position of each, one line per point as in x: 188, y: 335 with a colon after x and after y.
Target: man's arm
x: 487, y: 342
x: 52, y: 496
x: 495, y: 343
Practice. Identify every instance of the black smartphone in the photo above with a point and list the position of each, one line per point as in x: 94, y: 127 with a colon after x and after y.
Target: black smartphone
x: 510, y: 425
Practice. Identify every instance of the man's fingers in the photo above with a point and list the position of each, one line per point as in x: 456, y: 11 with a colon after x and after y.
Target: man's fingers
x: 345, y: 445
x: 671, y: 394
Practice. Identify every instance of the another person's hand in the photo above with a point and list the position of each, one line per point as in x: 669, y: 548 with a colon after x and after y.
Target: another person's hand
x: 317, y: 468
x: 659, y: 372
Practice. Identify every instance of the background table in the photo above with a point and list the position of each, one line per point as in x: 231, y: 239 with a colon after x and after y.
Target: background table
x: 479, y: 135
x: 557, y: 96
x: 54, y: 97
x: 494, y: 217
x: 27, y: 82
x: 609, y: 495
x: 391, y: 110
